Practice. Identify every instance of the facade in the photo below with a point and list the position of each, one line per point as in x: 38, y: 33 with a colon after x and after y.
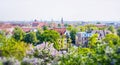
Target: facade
x: 82, y: 37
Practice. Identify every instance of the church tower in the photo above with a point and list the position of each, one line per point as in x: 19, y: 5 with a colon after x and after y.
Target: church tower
x: 61, y: 20
x: 62, y: 23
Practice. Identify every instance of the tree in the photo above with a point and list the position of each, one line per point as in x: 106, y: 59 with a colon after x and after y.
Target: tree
x: 118, y: 32
x: 72, y: 35
x: 18, y: 34
x: 38, y: 34
x: 45, y: 28
x: 93, y: 40
x: 50, y: 36
x: 98, y: 23
x: 111, y: 38
x: 13, y: 48
x: 59, y: 25
x: 111, y: 28
x: 2, y: 33
x: 30, y: 38
x: 66, y: 25
x: 70, y: 27
x: 68, y: 40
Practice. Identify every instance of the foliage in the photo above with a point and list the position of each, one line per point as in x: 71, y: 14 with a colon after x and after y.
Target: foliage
x: 111, y: 28
x: 72, y: 35
x: 59, y: 25
x: 99, y: 55
x: 118, y: 32
x: 45, y: 28
x: 30, y: 38
x: 70, y: 27
x: 11, y: 48
x: 98, y: 23
x: 93, y: 40
x: 38, y: 34
x: 111, y: 38
x: 50, y: 36
x: 18, y: 34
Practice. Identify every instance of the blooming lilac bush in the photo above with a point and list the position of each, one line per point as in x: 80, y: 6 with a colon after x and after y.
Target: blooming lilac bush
x: 9, y: 61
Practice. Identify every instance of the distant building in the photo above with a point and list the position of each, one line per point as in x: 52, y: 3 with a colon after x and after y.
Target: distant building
x: 82, y: 37
x: 38, y: 24
x: 60, y: 30
x: 100, y: 25
x: 7, y: 27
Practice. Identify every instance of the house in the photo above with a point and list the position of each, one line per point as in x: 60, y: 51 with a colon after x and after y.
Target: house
x: 60, y: 30
x: 26, y: 29
x: 38, y: 24
x: 29, y: 29
x: 82, y: 37
x: 100, y: 25
x: 7, y: 27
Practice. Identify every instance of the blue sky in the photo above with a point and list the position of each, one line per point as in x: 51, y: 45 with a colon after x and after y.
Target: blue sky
x: 55, y: 9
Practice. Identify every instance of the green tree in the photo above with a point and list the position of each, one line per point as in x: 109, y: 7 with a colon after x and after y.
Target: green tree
x: 98, y: 23
x: 118, y: 32
x: 30, y: 38
x: 45, y: 28
x: 111, y: 28
x: 66, y: 25
x: 93, y: 40
x: 70, y: 27
x: 18, y: 34
x: 2, y: 33
x: 13, y: 48
x: 72, y: 35
x: 38, y: 34
x: 50, y: 36
x: 111, y: 38
x: 59, y: 25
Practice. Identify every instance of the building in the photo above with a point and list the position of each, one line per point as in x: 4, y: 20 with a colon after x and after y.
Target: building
x: 83, y: 37
x: 7, y: 27
x: 60, y: 30
x: 38, y: 24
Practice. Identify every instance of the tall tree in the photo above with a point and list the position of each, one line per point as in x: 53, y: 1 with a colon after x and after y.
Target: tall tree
x: 18, y: 34
x: 38, y: 34
x: 51, y: 36
x: 30, y: 38
x: 72, y: 35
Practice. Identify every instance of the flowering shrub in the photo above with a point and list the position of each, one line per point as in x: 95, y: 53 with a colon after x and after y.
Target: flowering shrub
x: 9, y: 61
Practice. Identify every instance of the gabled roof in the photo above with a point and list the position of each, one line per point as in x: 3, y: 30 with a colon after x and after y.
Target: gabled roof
x: 38, y: 24
x: 26, y: 29
x: 60, y: 30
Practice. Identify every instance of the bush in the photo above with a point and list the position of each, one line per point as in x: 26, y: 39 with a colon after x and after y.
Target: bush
x: 11, y: 48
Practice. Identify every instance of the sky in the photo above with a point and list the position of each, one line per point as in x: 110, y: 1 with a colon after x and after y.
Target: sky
x: 87, y: 10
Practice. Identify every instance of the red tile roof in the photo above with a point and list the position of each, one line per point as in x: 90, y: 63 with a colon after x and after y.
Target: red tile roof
x: 26, y: 29
x: 38, y: 24
x: 60, y: 30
